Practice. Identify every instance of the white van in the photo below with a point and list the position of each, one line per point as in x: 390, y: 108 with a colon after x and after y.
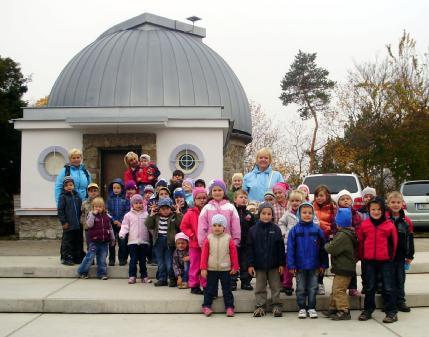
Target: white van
x: 336, y: 182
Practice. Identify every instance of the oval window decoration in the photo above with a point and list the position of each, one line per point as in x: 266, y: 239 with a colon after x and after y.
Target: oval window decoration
x: 188, y: 158
x: 51, y: 161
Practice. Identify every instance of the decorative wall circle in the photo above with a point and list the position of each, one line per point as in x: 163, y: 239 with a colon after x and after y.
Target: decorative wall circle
x: 188, y: 158
x: 50, y: 162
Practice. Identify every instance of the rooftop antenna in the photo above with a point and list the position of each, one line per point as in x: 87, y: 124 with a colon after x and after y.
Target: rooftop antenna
x: 193, y: 19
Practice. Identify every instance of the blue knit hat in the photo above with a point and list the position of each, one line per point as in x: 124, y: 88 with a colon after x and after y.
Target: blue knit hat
x: 165, y: 202
x: 179, y: 193
x: 219, y: 219
x: 161, y: 182
x: 344, y: 217
x: 304, y: 204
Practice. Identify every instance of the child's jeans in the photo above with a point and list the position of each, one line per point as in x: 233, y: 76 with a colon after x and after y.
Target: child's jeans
x: 287, y: 277
x: 386, y: 269
x: 195, y: 280
x: 306, y: 288
x: 271, y: 276
x: 339, y: 299
x: 98, y: 250
x: 163, y: 257
x: 213, y: 278
x: 138, y: 254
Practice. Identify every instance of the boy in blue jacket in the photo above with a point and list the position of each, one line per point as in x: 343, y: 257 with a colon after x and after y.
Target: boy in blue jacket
x: 117, y: 207
x: 266, y: 259
x: 306, y: 259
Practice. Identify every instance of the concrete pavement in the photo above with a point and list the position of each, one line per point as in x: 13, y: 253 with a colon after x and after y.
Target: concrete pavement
x: 412, y: 324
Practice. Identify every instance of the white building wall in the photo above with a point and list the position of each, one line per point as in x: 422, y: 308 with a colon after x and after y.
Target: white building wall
x: 209, y: 141
x: 36, y: 191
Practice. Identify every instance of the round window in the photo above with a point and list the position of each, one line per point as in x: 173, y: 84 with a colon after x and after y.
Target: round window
x: 51, y: 161
x: 187, y: 158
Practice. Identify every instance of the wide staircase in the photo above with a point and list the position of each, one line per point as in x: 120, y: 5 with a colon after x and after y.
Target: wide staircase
x: 41, y: 284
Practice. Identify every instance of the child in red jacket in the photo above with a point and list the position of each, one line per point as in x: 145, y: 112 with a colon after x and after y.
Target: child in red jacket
x: 189, y: 226
x: 378, y: 240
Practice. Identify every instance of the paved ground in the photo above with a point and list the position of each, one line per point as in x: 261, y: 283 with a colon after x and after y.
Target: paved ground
x: 413, y: 324
x: 52, y: 247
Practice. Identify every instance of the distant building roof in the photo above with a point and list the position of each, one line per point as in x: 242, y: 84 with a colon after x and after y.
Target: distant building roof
x: 152, y: 61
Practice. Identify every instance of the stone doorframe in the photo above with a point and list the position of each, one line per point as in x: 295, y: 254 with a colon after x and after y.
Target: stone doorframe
x: 94, y: 143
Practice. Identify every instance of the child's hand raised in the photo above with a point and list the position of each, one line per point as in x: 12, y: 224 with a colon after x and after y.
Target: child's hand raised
x: 153, y: 210
x: 281, y: 269
x: 204, y: 273
x: 251, y: 271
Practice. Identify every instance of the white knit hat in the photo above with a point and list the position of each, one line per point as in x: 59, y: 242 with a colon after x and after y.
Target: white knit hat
x: 343, y: 193
x: 369, y: 190
x: 219, y: 219
x: 181, y: 235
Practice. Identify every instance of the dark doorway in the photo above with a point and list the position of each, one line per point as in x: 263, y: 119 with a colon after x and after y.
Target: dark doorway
x: 113, y: 166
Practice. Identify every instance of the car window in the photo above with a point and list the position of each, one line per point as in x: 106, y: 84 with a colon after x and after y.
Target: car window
x: 334, y: 183
x: 417, y: 189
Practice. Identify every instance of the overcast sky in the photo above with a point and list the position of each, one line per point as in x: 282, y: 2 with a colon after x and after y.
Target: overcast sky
x: 258, y: 39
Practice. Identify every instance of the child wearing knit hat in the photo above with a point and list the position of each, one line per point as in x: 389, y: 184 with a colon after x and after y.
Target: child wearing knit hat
x: 218, y: 204
x: 181, y: 260
x: 133, y: 227
x: 343, y: 249
x: 280, y: 191
x: 189, y: 226
x: 179, y: 200
x: 219, y: 260
x: 188, y: 186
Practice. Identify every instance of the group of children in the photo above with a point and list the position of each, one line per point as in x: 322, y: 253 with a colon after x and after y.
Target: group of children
x: 200, y: 236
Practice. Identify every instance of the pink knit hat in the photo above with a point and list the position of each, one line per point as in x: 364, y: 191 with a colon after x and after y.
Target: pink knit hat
x: 284, y: 187
x: 136, y: 198
x: 198, y: 190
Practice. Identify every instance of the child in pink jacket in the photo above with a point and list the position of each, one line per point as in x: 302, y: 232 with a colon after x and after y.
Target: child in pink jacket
x: 219, y: 204
x: 138, y: 238
x: 189, y: 226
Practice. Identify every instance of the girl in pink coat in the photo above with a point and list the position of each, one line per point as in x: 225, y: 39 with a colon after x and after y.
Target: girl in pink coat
x: 189, y: 226
x: 219, y: 204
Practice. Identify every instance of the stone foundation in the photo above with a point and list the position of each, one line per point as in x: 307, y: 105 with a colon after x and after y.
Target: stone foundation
x: 38, y: 227
x: 234, y: 157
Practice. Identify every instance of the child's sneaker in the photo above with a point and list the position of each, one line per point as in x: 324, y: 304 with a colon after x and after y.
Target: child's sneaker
x: 207, y: 311
x: 197, y: 291
x: 83, y: 275
x: 321, y: 290
x: 288, y: 291
x: 132, y: 280
x: 354, y: 292
x: 259, y: 312
x: 277, y: 312
x: 302, y: 314
x: 312, y: 313
x: 179, y: 281
x: 183, y: 285
x: 104, y: 277
x: 229, y: 312
x: 342, y: 316
x: 146, y: 280
x: 390, y: 318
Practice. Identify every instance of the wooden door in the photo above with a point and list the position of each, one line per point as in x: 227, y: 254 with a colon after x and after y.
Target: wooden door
x: 112, y: 167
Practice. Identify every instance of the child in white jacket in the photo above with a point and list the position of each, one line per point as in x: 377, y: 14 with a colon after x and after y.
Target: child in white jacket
x: 138, y: 238
x: 286, y: 222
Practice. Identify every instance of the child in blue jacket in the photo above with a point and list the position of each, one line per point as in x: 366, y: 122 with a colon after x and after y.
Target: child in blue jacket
x: 117, y: 206
x: 306, y: 259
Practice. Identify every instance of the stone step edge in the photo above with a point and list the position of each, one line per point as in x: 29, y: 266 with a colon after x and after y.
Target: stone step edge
x: 92, y: 306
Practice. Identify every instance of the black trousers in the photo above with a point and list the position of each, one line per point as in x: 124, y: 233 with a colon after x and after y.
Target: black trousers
x: 72, y: 246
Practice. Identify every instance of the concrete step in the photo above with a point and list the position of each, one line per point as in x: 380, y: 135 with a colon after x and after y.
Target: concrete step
x: 50, y: 266
x: 62, y: 295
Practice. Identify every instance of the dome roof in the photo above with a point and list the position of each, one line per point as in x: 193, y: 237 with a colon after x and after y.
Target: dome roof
x: 152, y: 61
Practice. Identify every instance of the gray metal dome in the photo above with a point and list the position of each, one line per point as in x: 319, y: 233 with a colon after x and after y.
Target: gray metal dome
x: 152, y: 61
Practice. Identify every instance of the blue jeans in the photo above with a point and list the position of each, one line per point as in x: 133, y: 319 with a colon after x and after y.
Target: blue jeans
x: 98, y: 250
x: 164, y: 257
x: 386, y: 269
x: 138, y: 254
x: 185, y: 275
x: 213, y: 278
x: 306, y: 288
